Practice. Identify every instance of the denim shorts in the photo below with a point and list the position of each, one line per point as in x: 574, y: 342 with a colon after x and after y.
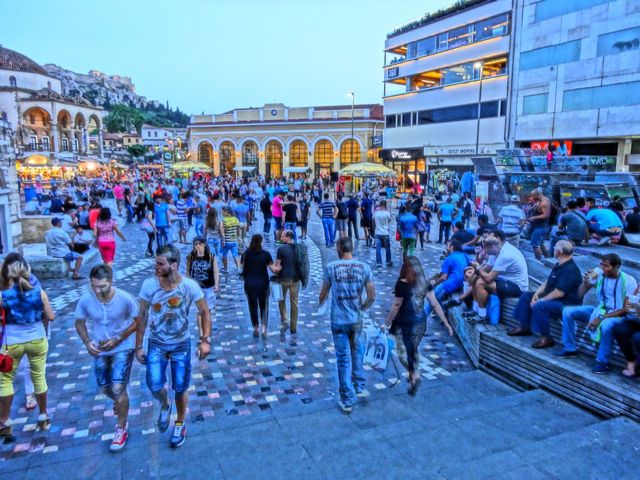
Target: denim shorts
x: 71, y: 256
x: 538, y: 236
x: 159, y: 356
x: 278, y: 222
x: 114, y: 368
x: 214, y: 245
x: 341, y: 224
x: 230, y: 247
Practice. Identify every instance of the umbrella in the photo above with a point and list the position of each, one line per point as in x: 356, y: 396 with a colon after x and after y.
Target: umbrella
x: 367, y: 169
x: 191, y: 167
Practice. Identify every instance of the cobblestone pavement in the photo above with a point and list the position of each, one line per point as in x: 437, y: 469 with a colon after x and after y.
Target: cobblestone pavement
x: 242, y: 376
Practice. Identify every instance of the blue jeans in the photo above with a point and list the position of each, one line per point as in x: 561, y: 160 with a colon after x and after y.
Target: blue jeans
x: 159, y: 356
x: 130, y: 213
x: 266, y: 228
x: 199, y: 223
x: 382, y: 241
x: 291, y: 226
x: 537, y: 317
x: 349, y: 346
x: 115, y: 368
x: 583, y: 314
x: 329, y: 226
x: 538, y: 236
x: 440, y: 292
x: 162, y: 236
x: 214, y: 246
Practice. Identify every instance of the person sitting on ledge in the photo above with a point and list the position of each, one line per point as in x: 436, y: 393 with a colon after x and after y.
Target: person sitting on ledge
x: 627, y: 334
x: 612, y: 286
x: 535, y: 309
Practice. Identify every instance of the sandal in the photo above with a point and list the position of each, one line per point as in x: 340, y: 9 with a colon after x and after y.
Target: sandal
x: 44, y: 423
x: 30, y: 402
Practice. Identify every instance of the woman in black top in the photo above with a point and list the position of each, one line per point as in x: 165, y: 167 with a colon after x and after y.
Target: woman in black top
x: 407, y: 320
x: 255, y: 265
x: 265, y: 207
x: 203, y: 268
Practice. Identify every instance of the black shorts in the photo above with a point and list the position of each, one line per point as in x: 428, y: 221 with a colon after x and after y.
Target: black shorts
x: 507, y: 289
x: 366, y: 222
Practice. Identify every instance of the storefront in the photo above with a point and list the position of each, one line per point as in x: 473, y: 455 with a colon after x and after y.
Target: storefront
x: 40, y: 167
x: 408, y: 164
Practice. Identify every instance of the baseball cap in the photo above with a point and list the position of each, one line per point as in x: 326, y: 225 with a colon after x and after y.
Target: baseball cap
x: 515, y: 198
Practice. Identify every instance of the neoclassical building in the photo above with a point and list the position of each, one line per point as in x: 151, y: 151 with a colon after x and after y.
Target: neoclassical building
x: 48, y: 124
x: 274, y: 137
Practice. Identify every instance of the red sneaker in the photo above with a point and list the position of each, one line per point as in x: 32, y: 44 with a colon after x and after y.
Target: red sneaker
x: 119, y: 439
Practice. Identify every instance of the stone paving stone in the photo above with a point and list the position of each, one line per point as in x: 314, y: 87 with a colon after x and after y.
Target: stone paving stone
x: 242, y: 378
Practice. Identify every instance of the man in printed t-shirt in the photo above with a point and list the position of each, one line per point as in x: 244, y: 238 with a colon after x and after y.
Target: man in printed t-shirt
x: 165, y: 301
x: 348, y: 278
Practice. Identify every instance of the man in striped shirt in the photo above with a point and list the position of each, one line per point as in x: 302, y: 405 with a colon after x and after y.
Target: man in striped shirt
x: 183, y: 223
x: 230, y: 237
x: 327, y: 211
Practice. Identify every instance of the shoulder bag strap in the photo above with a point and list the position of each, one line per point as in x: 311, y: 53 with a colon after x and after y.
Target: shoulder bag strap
x: 4, y: 328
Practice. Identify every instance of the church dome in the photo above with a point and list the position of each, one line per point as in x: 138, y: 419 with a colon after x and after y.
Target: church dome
x: 10, y: 60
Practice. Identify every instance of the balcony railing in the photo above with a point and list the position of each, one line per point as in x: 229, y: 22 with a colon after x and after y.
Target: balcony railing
x: 38, y: 147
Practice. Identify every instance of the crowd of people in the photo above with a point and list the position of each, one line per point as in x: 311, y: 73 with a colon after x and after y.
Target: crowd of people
x: 480, y: 269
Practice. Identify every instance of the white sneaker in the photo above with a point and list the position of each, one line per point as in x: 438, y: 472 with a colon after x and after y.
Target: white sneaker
x: 344, y: 408
x: 362, y: 393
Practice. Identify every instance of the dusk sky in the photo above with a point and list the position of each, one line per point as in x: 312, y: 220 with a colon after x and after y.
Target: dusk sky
x: 216, y: 55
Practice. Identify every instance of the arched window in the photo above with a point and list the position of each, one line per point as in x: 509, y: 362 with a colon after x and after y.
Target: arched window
x: 250, y: 153
x: 349, y: 152
x: 227, y: 157
x: 204, y: 153
x: 298, y: 154
x: 273, y: 157
x: 12, y: 81
x: 323, y: 158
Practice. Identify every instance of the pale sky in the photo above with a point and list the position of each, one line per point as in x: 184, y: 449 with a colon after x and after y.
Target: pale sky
x: 216, y: 55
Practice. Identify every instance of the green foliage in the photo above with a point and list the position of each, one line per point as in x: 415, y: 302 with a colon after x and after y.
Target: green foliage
x: 121, y: 118
x: 136, y: 150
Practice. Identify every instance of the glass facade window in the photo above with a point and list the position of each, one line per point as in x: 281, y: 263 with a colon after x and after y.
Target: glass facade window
x: 546, y: 9
x: 460, y: 73
x: 390, y: 121
x: 535, y: 104
x: 406, y: 119
x: 323, y: 153
x: 349, y: 152
x: 273, y: 157
x: 298, y: 154
x: 489, y: 109
x: 458, y: 37
x: 250, y: 153
x: 552, y: 55
x: 619, y: 42
x: 618, y: 95
x: 227, y: 156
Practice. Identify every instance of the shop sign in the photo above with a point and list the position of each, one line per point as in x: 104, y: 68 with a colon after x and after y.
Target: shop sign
x: 393, y: 72
x: 401, y: 154
x: 376, y: 141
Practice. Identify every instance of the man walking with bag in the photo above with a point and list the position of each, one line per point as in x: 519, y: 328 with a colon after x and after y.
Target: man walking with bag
x: 348, y: 278
x: 289, y: 276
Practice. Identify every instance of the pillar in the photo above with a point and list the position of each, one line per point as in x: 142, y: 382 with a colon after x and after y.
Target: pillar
x: 100, y: 144
x: 624, y: 149
x: 84, y: 141
x: 55, y: 145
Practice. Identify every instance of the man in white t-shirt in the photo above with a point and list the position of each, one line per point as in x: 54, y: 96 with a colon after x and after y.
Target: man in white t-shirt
x: 508, y: 277
x: 381, y: 219
x: 511, y: 219
x: 165, y: 301
x: 105, y: 320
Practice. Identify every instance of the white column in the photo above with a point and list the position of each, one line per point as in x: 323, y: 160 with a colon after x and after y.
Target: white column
x: 84, y: 142
x: 100, y: 144
x: 55, y: 147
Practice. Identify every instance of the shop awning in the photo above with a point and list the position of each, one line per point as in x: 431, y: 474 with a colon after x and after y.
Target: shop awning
x: 366, y: 169
x: 401, y: 154
x: 297, y: 169
x: 150, y: 166
x: 36, y: 161
x: 118, y: 165
x: 244, y: 169
x: 191, y: 167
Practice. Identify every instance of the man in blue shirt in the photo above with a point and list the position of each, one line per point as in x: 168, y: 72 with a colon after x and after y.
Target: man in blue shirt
x: 242, y: 211
x: 161, y: 220
x: 604, y: 223
x: 366, y: 211
x: 327, y: 212
x: 451, y: 277
x: 348, y: 278
x: 408, y: 228
x: 446, y: 213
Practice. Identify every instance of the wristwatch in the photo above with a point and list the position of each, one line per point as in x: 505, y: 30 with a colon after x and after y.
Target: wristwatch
x: 206, y: 339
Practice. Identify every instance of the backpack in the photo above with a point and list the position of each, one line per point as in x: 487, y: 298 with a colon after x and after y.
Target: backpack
x: 343, y: 212
x: 302, y: 263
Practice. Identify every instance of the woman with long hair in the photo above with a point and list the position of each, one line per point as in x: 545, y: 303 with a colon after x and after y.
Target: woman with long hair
x: 407, y: 320
x: 212, y: 231
x: 104, y: 230
x: 255, y: 265
x: 149, y: 227
x: 25, y: 309
x: 202, y: 266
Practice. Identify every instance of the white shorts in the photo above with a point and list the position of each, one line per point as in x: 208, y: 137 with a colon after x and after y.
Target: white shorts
x: 210, y: 297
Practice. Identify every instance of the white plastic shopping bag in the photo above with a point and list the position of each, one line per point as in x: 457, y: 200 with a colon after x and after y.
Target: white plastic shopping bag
x: 275, y: 289
x: 377, y: 351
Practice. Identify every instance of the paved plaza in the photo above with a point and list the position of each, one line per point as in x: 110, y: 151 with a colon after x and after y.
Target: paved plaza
x: 243, y: 377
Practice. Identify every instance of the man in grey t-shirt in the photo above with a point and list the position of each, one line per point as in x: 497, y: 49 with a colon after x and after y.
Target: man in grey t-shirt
x: 165, y: 301
x: 105, y: 320
x: 348, y: 278
x: 59, y: 243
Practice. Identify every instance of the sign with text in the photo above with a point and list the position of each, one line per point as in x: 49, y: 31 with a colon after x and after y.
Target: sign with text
x: 393, y: 72
x: 401, y: 154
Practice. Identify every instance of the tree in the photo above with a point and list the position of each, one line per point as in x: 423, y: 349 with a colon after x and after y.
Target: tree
x: 121, y: 117
x: 136, y: 150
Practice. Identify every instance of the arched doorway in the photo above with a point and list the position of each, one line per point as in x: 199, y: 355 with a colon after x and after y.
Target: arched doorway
x: 323, y: 157
x: 205, y: 153
x: 65, y: 131
x: 298, y: 154
x: 273, y: 158
x: 80, y: 139
x: 250, y: 155
x: 349, y: 152
x: 38, y: 122
x: 227, y: 157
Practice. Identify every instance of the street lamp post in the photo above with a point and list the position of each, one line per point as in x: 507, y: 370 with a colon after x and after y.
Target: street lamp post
x: 478, y: 66
x: 353, y: 104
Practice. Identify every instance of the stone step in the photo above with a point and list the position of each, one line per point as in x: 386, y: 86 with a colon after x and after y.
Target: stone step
x: 606, y: 449
x: 608, y: 395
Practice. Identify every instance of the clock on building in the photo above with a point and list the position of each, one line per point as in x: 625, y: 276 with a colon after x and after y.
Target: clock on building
x: 274, y: 112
